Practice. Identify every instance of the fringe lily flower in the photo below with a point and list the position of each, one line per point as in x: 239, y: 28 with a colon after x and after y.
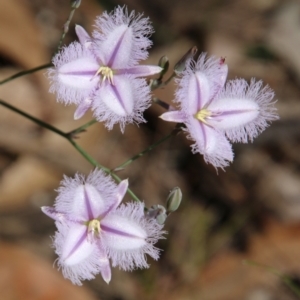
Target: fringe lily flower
x: 102, y: 72
x: 215, y: 113
x: 94, y: 230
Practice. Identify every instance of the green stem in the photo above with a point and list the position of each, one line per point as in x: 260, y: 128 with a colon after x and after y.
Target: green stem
x: 129, y: 161
x: 81, y: 128
x: 67, y: 136
x: 48, y: 65
x: 93, y: 162
x: 88, y: 157
x: 291, y: 285
x: 169, y: 79
x: 161, y: 103
x: 33, y: 119
x: 163, y: 83
x: 287, y: 280
x: 65, y: 30
x: 22, y: 73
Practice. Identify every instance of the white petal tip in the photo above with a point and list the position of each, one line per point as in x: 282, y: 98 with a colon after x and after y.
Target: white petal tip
x: 77, y: 116
x: 82, y: 109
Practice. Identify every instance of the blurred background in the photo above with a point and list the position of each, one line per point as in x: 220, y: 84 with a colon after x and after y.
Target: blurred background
x: 249, y: 212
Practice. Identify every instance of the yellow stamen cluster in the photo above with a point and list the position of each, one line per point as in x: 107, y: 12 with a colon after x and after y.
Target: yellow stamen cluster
x: 202, y: 115
x: 107, y: 74
x: 94, y: 227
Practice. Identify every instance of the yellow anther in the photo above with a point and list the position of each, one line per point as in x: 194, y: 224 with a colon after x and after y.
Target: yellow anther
x: 94, y: 227
x: 202, y: 115
x: 107, y: 74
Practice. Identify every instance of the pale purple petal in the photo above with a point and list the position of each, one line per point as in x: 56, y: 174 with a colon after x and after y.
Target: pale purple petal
x: 57, y: 216
x: 81, y: 264
x: 73, y: 198
x: 83, y: 36
x: 117, y: 198
x: 82, y: 108
x: 211, y: 143
x: 79, y: 73
x: 215, y: 70
x: 87, y: 203
x: 200, y: 83
x: 76, y: 246
x: 125, y: 37
x: 105, y: 269
x: 53, y: 214
x: 122, y: 234
x: 141, y: 71
x: 118, y: 97
x: 174, y: 116
x: 128, y: 236
x: 246, y: 109
x: 194, y: 92
x: 229, y: 113
x: 106, y: 273
x: 115, y: 51
x: 73, y: 77
x: 122, y: 103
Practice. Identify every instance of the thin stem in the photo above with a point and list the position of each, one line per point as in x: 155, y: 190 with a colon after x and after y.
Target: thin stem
x: 93, y: 162
x: 154, y: 85
x: 169, y: 79
x: 65, y: 29
x: 67, y: 136
x: 129, y: 161
x: 22, y: 73
x: 33, y: 119
x: 161, y: 103
x: 48, y: 65
x: 88, y: 157
x: 286, y: 279
x: 80, y: 129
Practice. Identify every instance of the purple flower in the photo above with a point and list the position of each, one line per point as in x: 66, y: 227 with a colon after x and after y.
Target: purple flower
x: 92, y: 229
x: 214, y: 114
x: 102, y: 72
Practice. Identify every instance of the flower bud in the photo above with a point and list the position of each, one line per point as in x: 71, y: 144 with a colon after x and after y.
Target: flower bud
x: 174, y: 200
x: 157, y: 212
x: 160, y: 219
x: 180, y: 66
x: 164, y: 64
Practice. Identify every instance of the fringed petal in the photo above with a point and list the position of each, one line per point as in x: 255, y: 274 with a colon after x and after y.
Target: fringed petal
x: 120, y: 33
x: 244, y: 110
x: 85, y: 260
x: 128, y: 236
x: 72, y: 79
x: 211, y: 143
x: 122, y: 103
x: 86, y: 198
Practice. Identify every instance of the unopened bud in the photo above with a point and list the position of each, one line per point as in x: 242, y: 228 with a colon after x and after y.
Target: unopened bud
x: 75, y: 3
x: 157, y: 212
x: 164, y: 64
x: 180, y: 66
x: 161, y: 219
x: 174, y: 200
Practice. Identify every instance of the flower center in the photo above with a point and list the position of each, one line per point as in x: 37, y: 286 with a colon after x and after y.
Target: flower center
x: 202, y: 115
x: 93, y: 228
x: 107, y: 74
